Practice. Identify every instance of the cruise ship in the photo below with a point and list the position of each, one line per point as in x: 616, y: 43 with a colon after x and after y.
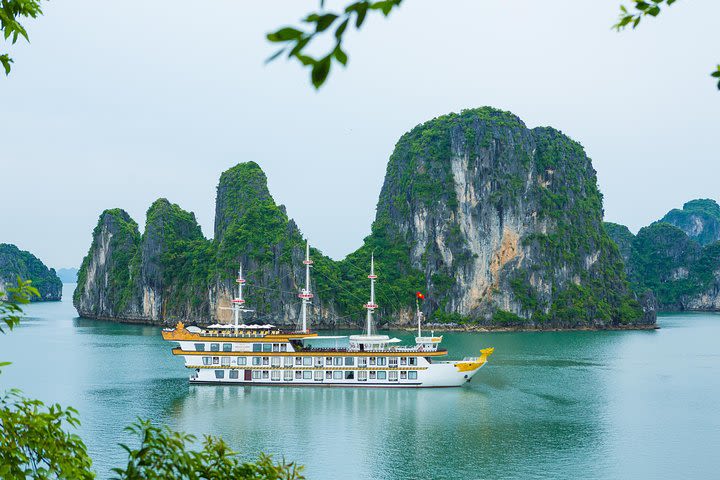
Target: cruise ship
x: 267, y: 355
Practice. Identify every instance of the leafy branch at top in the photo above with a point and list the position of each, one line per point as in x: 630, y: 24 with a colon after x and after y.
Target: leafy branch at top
x: 645, y: 8
x: 296, y: 40
x: 10, y: 11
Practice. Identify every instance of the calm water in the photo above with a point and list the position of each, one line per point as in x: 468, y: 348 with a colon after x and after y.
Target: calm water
x: 549, y: 405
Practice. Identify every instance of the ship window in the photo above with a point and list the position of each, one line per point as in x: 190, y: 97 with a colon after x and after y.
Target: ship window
x: 234, y: 374
x: 227, y: 347
x: 412, y: 375
x: 337, y: 361
x: 382, y: 361
x: 362, y: 362
x: 275, y: 375
x: 372, y: 360
x: 318, y: 375
x: 328, y: 374
x: 266, y: 360
x: 318, y: 361
x: 266, y: 374
x: 275, y: 361
x: 257, y: 347
x: 349, y: 360
x: 373, y: 375
x: 256, y: 360
x: 256, y: 375
x: 362, y: 376
x: 328, y: 361
x: 199, y: 347
x: 403, y: 361
x: 298, y: 374
x: 307, y: 375
x: 283, y: 347
x: 207, y: 360
x: 307, y: 361
x: 214, y: 347
x: 288, y: 361
x: 381, y: 375
x: 219, y: 373
x: 287, y: 375
x: 337, y: 375
x: 394, y: 362
x: 225, y: 361
x: 393, y: 375
x: 413, y: 361
x: 349, y: 375
x: 216, y: 360
x: 298, y: 360
x: 267, y: 347
x: 242, y: 361
x: 403, y: 375
x: 276, y: 347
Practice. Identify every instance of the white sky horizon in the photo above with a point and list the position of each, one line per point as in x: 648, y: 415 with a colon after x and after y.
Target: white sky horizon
x: 118, y: 105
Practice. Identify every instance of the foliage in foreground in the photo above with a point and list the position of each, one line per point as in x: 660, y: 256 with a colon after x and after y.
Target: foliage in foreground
x: 10, y: 12
x: 34, y: 443
x: 165, y: 454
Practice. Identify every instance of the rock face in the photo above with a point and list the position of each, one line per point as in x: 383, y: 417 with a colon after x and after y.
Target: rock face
x: 15, y: 262
x: 498, y: 224
x: 699, y: 219
x: 663, y: 261
x: 108, y: 285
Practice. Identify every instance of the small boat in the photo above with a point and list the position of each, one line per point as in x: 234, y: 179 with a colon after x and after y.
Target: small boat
x: 267, y: 355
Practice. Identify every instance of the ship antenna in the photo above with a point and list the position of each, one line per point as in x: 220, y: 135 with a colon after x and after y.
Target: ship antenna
x: 239, y: 301
x: 305, y: 293
x: 372, y: 305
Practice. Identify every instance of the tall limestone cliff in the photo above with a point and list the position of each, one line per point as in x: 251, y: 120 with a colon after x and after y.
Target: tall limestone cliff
x: 15, y: 262
x: 498, y: 224
x: 108, y: 278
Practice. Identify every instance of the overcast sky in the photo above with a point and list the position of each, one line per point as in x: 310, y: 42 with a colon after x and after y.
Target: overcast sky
x: 117, y: 103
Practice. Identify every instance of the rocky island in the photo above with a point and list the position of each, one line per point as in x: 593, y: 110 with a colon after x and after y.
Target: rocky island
x: 500, y: 225
x: 676, y: 259
x: 19, y: 263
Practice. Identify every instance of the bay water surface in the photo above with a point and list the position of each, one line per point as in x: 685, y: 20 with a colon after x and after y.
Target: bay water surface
x: 605, y: 405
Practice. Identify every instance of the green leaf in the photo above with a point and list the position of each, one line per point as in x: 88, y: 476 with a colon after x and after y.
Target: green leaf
x: 341, y: 29
x: 6, y: 61
x: 284, y: 34
x: 320, y: 71
x: 340, y: 55
x: 324, y: 21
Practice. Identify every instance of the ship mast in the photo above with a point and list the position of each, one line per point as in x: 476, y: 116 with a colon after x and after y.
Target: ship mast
x: 237, y: 303
x: 419, y: 317
x: 305, y: 293
x: 371, y: 306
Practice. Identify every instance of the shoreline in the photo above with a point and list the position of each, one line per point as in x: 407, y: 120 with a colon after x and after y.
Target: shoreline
x: 409, y: 328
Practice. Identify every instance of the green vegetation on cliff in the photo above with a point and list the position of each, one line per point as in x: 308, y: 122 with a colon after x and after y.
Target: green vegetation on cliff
x: 117, y: 233
x: 700, y: 219
x: 16, y: 263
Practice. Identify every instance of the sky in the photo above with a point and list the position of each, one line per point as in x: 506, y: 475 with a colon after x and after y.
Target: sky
x: 118, y: 103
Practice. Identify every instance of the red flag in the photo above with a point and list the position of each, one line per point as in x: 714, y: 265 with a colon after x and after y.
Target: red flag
x: 420, y: 296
